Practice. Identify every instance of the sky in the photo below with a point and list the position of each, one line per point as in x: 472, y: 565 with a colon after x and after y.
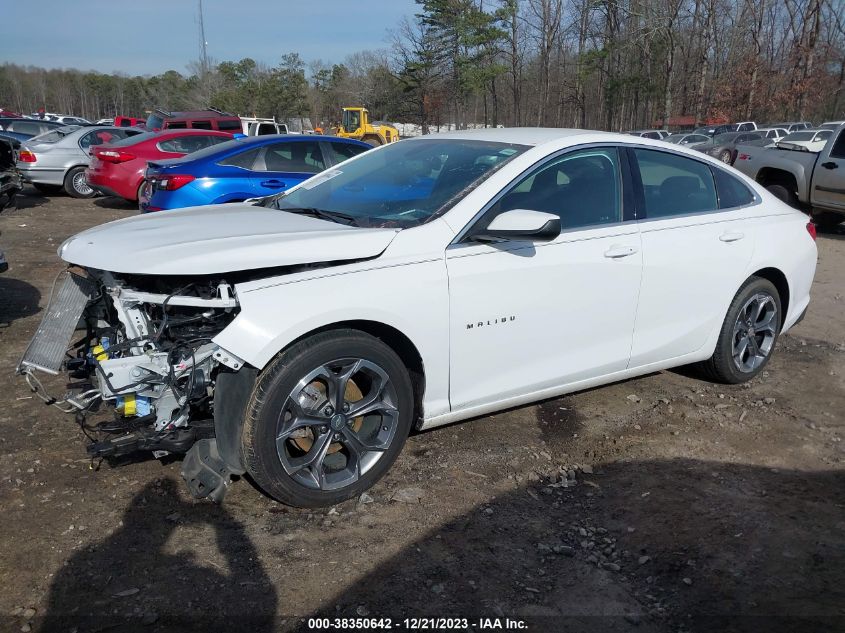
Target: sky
x: 144, y: 37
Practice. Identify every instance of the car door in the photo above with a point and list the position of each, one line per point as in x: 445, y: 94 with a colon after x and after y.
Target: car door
x: 527, y: 316
x: 285, y: 164
x: 829, y: 176
x: 695, y: 252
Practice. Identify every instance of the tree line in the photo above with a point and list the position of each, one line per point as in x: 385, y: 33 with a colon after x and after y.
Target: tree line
x: 604, y: 64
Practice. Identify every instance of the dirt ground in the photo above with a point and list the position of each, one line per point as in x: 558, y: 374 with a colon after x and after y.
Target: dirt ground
x: 664, y: 503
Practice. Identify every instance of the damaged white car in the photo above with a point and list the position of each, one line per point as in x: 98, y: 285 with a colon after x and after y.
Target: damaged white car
x: 301, y: 339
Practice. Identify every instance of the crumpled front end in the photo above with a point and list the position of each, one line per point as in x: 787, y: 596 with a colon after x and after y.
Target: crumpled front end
x: 139, y: 353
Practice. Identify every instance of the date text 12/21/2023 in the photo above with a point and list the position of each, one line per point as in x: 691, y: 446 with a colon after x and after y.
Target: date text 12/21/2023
x: 417, y: 624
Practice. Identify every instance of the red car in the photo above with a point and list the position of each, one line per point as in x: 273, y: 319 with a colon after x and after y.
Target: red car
x: 118, y: 169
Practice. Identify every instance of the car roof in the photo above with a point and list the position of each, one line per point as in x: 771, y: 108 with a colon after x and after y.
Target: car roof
x: 518, y: 135
x: 209, y: 114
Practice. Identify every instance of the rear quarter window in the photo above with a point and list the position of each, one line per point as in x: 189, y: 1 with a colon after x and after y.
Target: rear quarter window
x: 244, y: 160
x: 229, y: 125
x: 732, y: 192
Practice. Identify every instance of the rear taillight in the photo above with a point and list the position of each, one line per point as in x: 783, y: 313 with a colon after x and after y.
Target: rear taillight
x: 171, y: 183
x: 26, y: 156
x: 113, y: 155
x: 811, y: 229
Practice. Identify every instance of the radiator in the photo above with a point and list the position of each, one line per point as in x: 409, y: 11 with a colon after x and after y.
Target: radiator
x: 46, y: 351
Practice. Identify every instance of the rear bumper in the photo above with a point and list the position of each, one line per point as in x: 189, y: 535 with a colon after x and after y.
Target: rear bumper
x: 42, y: 176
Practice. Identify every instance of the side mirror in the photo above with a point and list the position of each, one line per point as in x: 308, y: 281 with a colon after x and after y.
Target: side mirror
x: 520, y: 224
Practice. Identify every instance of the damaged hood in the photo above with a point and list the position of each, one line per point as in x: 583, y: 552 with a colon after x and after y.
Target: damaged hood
x: 218, y: 239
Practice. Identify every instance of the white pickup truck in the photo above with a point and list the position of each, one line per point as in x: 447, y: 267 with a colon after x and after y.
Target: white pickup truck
x: 814, y: 181
x: 254, y: 126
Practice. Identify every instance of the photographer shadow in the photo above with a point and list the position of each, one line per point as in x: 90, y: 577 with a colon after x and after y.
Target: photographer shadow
x: 133, y: 581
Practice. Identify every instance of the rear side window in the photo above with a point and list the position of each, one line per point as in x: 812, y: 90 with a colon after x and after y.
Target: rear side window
x: 675, y: 185
x: 201, y: 125
x: 244, y: 160
x: 227, y: 125
x: 732, y: 192
x: 176, y: 125
x: 297, y: 157
x: 343, y: 151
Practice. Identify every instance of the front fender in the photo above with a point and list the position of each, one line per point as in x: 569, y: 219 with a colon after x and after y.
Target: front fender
x: 412, y: 298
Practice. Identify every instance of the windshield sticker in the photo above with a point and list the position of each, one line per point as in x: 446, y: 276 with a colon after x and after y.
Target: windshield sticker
x: 326, y: 175
x: 507, y: 152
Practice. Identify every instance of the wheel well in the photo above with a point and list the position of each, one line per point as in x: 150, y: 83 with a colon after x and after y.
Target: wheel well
x: 779, y: 280
x: 769, y: 176
x: 395, y: 340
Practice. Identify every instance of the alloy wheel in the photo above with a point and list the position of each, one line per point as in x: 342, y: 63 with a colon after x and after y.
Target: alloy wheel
x: 754, y: 332
x: 80, y: 185
x: 336, y: 423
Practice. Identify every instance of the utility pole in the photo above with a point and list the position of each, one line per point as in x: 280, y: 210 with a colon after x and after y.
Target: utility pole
x: 203, y: 44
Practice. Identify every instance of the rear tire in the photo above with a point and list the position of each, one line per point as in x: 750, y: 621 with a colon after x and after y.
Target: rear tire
x: 827, y: 220
x: 303, y: 443
x: 784, y: 194
x: 75, y: 184
x: 748, y: 335
x: 138, y: 192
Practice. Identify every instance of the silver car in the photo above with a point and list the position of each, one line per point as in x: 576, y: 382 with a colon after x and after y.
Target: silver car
x: 57, y: 160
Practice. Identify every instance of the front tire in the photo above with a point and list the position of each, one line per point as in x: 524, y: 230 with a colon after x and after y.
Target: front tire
x: 327, y: 419
x: 726, y: 156
x: 748, y: 335
x: 75, y: 184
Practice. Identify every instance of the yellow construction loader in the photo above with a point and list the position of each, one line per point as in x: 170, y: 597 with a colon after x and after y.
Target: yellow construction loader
x: 356, y: 124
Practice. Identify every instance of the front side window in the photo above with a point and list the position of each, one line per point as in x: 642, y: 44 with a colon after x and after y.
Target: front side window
x: 177, y: 125
x: 583, y: 187
x: 838, y: 149
x: 823, y: 135
x: 402, y: 184
x: 674, y: 185
x: 298, y: 157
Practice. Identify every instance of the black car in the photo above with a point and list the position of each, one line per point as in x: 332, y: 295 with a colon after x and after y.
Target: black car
x: 10, y: 184
x: 723, y: 146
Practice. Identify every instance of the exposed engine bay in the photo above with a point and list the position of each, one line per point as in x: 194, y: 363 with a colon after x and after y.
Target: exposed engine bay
x: 145, y: 353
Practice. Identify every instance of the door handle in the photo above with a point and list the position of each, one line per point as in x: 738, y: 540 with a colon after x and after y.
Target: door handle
x: 731, y: 236
x: 275, y: 184
x: 616, y: 251
x: 830, y: 165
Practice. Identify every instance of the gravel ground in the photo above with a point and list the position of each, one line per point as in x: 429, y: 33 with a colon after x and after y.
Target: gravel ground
x: 663, y: 503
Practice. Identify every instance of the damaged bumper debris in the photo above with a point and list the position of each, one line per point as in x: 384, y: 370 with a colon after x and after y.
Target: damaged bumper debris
x: 145, y: 353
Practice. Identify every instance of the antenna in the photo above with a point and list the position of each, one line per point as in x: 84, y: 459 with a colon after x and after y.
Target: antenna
x: 203, y: 44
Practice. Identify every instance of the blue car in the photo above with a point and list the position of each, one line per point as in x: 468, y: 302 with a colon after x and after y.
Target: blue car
x: 246, y: 167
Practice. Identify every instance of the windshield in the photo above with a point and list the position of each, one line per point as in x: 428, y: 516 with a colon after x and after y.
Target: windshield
x: 401, y: 185
x: 799, y: 136
x: 675, y: 138
x: 154, y: 122
x: 728, y: 137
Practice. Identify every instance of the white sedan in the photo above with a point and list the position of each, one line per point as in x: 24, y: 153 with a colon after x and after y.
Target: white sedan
x: 437, y: 279
x: 811, y: 140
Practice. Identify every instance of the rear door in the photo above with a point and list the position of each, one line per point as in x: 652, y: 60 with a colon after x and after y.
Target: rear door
x: 285, y: 164
x: 696, y: 245
x: 829, y: 175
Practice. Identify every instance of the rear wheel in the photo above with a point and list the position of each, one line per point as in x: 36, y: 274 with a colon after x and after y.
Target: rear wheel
x: 783, y: 194
x: 139, y: 191
x: 76, y: 185
x: 827, y: 220
x: 726, y: 156
x: 327, y: 419
x: 748, y: 335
